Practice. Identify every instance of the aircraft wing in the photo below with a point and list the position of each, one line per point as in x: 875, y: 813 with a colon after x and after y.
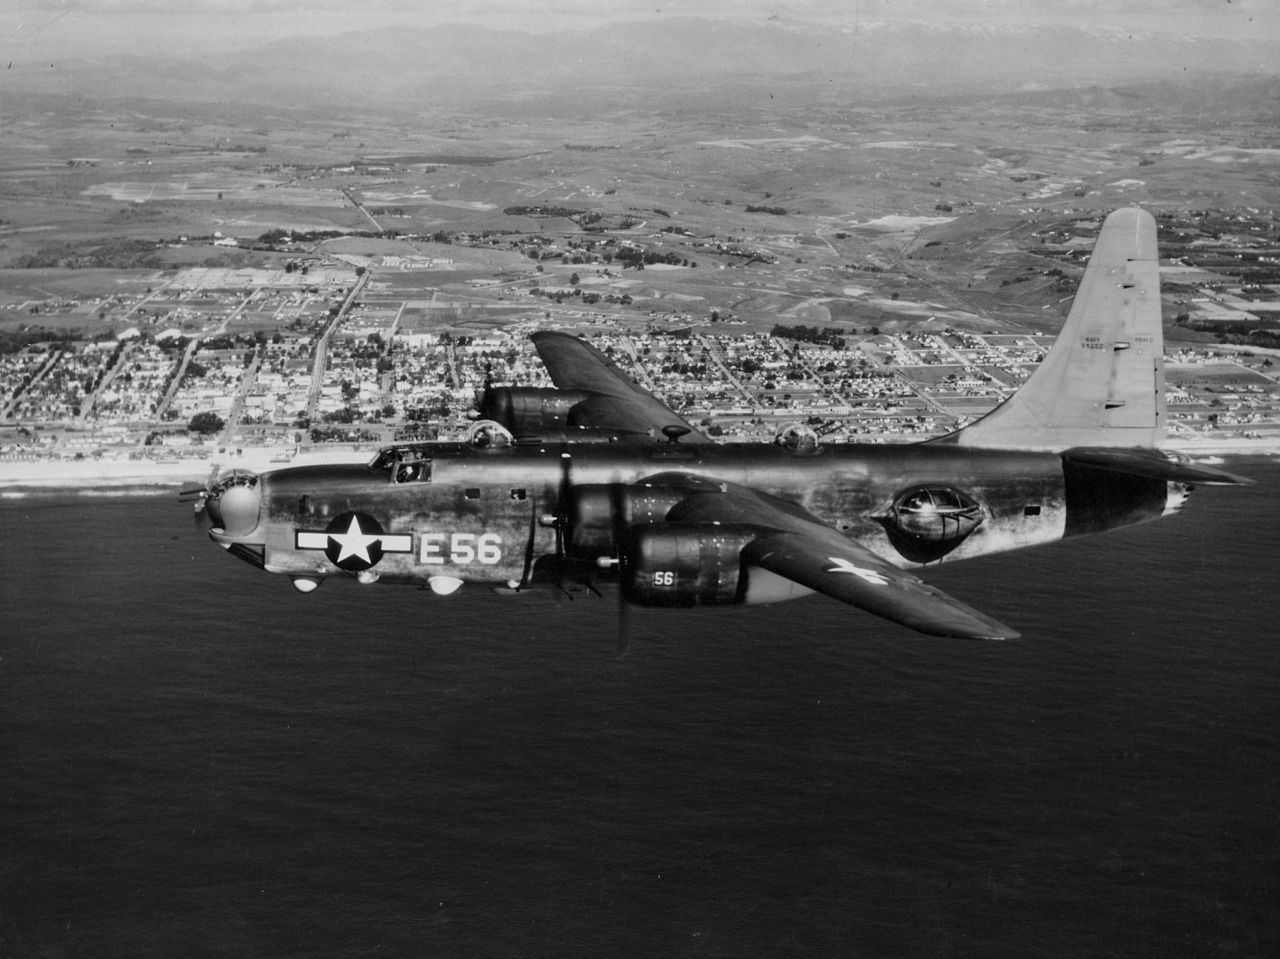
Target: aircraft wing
x: 855, y: 575
x: 799, y: 547
x: 616, y: 401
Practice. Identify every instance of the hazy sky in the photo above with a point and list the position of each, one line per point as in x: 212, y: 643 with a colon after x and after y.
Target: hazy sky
x: 33, y: 30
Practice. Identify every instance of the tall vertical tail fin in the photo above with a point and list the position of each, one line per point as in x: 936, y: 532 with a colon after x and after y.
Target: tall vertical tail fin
x: 1102, y: 383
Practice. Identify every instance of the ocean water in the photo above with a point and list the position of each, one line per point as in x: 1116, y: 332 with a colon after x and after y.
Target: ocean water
x: 198, y: 761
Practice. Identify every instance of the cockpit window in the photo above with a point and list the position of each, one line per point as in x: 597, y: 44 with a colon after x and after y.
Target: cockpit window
x: 918, y: 502
x: 413, y: 467
x: 946, y: 499
x: 403, y: 464
x: 411, y: 471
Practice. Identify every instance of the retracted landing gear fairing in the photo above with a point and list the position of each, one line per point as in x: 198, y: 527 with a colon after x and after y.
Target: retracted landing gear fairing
x: 597, y: 482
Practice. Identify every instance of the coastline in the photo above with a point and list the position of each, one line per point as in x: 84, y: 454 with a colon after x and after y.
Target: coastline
x: 54, y: 472
x: 60, y: 473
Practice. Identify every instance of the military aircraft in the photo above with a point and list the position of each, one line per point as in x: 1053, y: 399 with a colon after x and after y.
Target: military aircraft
x: 597, y: 482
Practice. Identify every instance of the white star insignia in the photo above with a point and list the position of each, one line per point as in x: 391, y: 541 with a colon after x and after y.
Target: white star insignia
x: 354, y: 542
x: 869, y: 575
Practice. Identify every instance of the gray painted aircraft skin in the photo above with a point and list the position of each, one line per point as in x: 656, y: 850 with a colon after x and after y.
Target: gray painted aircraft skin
x: 597, y: 483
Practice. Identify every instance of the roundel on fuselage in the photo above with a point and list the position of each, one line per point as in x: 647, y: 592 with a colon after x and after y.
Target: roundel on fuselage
x: 355, y: 541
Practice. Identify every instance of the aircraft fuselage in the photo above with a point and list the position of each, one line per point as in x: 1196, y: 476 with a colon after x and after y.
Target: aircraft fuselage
x: 447, y: 512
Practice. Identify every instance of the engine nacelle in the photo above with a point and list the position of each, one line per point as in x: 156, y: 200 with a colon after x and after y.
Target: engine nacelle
x: 530, y: 411
x: 589, y: 519
x: 685, y: 564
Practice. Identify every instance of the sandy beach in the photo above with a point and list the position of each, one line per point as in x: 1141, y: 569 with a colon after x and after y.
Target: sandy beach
x: 60, y: 472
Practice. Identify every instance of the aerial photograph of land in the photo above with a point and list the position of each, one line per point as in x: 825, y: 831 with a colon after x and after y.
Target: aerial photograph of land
x: 189, y: 279
x: 246, y: 238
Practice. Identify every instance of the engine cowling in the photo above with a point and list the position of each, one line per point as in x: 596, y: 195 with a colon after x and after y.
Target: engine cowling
x: 528, y: 410
x: 589, y: 514
x: 685, y: 564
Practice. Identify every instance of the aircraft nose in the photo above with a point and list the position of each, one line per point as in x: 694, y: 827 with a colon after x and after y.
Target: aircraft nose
x: 239, y: 509
x: 234, y: 503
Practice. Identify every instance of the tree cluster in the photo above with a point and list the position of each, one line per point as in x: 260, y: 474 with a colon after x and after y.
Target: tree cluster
x: 823, y: 336
x: 637, y: 258
x: 11, y: 341
x: 567, y: 212
x: 206, y: 423
x: 117, y: 255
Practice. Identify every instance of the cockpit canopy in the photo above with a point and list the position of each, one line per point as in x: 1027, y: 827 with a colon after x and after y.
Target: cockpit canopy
x: 797, y: 438
x: 935, y: 514
x: 403, y: 464
x: 924, y: 523
x: 413, y: 462
x: 488, y: 434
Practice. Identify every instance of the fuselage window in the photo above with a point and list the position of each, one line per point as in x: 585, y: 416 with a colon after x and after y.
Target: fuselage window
x: 471, y: 492
x: 518, y: 494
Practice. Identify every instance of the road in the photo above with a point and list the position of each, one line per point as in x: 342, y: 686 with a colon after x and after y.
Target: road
x: 86, y: 407
x: 321, y: 361
x: 172, y: 391
x: 713, y: 351
x: 360, y: 206
x: 237, y: 405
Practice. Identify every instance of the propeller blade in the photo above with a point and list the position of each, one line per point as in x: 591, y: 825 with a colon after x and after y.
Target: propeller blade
x: 562, y: 514
x: 624, y: 627
x: 529, y: 547
x: 621, y: 540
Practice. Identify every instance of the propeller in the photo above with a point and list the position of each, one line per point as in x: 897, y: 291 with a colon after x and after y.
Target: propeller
x: 566, y: 568
x: 621, y: 523
x: 562, y: 518
x: 620, y: 514
x: 529, y: 548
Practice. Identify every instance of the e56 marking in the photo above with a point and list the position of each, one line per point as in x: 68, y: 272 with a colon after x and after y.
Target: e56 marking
x: 460, y: 549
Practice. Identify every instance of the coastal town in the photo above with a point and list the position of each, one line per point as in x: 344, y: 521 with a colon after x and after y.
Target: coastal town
x: 274, y: 296
x: 331, y: 356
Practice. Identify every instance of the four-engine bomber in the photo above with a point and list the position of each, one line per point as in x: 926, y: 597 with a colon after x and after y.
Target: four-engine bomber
x: 598, y: 482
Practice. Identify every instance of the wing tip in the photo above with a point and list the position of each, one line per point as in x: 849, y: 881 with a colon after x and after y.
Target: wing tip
x: 1002, y: 636
x: 991, y: 632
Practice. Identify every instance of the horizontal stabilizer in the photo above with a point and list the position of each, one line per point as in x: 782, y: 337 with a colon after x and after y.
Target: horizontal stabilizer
x: 1153, y: 465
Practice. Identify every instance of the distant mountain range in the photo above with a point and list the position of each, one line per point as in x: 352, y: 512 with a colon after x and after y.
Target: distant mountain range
x: 696, y: 59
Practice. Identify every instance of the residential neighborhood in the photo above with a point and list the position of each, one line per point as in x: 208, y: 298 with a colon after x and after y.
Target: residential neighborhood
x: 196, y: 373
